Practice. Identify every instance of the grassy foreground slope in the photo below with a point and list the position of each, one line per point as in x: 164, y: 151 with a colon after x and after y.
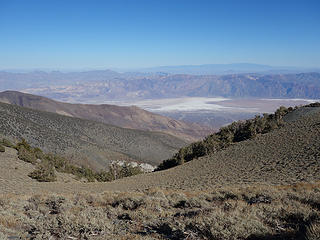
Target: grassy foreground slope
x: 89, y: 142
x: 67, y: 209
x: 247, y: 213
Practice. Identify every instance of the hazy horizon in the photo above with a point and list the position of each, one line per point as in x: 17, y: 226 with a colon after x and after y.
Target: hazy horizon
x: 144, y: 68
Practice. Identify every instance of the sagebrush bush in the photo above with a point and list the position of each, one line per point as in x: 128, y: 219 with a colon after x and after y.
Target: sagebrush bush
x: 26, y: 155
x: 44, y: 173
x: 7, y: 143
x: 117, y: 171
x: 2, y: 149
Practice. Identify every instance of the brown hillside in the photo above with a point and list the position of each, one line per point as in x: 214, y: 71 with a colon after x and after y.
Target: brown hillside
x: 127, y: 117
x: 84, y: 141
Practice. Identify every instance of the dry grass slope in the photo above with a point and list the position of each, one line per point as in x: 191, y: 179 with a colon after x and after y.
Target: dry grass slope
x: 257, y: 212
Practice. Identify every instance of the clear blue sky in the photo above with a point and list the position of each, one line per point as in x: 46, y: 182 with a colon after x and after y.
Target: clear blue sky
x: 62, y: 34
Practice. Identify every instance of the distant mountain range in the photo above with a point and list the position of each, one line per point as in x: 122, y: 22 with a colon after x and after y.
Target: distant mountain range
x: 102, y: 86
x: 202, y: 69
x: 126, y: 117
x: 221, y: 69
x: 302, y: 85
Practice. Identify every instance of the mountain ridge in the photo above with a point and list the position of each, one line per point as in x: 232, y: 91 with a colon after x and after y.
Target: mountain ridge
x: 102, y: 88
x: 232, y: 68
x: 84, y: 141
x: 128, y: 117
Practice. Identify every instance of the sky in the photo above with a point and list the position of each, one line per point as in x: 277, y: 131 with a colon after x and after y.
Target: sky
x: 100, y: 34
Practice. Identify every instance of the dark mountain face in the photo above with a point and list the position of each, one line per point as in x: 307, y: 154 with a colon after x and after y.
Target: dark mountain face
x: 84, y: 141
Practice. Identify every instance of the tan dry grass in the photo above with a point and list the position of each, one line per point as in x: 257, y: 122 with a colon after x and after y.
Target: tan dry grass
x: 224, y: 213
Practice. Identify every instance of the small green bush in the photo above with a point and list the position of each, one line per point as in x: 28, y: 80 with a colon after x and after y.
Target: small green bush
x: 84, y: 172
x: 38, y: 153
x: 316, y: 104
x: 2, y: 149
x: 7, y: 143
x: 26, y: 155
x: 128, y: 170
x: 118, y: 171
x: 104, y: 176
x: 44, y: 173
x: 23, y: 144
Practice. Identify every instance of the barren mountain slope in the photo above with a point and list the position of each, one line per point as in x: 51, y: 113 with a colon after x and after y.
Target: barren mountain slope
x: 287, y: 155
x: 89, y: 142
x: 127, y: 117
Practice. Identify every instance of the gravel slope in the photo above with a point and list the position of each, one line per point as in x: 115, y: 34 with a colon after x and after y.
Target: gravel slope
x: 287, y: 155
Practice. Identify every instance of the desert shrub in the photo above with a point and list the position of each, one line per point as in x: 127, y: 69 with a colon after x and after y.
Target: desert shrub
x: 25, y: 152
x: 104, y: 176
x: 313, y: 231
x: 24, y: 144
x: 60, y: 163
x: 117, y: 171
x: 63, y: 165
x: 26, y: 155
x: 316, y: 104
x: 7, y: 143
x: 228, y: 135
x: 85, y: 172
x: 129, y: 203
x: 2, y: 149
x: 44, y: 173
x: 127, y: 170
x: 3, y: 236
x: 166, y: 164
x: 38, y: 153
